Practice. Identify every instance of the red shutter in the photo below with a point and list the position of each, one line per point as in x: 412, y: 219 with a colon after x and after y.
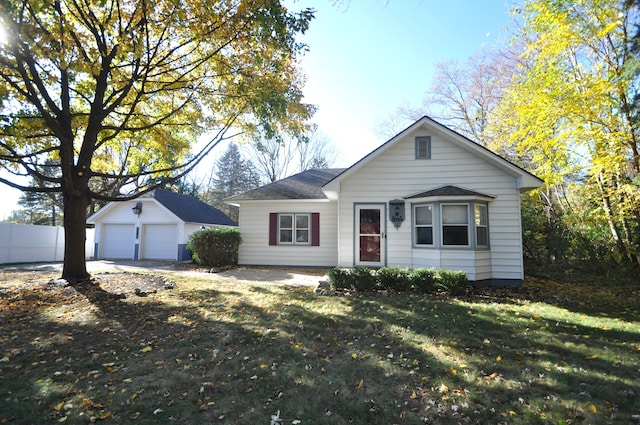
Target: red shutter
x: 273, y: 228
x: 315, y: 229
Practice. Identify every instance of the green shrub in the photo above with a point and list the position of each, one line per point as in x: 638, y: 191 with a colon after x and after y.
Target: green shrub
x: 362, y: 279
x: 357, y: 278
x: 339, y: 278
x: 453, y: 282
x: 394, y: 278
x: 215, y: 247
x: 420, y: 280
x: 423, y: 280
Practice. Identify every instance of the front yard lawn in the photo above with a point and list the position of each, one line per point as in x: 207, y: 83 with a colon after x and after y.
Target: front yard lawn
x: 139, y: 350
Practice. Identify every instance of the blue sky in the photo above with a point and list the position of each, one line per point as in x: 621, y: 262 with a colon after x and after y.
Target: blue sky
x: 368, y: 57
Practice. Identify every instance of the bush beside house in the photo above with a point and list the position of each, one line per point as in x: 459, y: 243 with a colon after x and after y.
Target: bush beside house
x: 397, y: 279
x: 215, y: 247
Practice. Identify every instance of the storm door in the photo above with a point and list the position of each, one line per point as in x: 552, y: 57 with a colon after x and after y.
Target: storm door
x: 370, y: 228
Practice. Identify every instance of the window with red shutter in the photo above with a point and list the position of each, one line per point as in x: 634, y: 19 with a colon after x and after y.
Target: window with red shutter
x: 283, y: 227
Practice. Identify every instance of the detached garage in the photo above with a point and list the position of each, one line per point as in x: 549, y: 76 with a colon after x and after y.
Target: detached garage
x: 155, y: 226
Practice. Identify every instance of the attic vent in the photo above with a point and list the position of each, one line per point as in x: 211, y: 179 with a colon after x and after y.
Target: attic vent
x: 423, y: 147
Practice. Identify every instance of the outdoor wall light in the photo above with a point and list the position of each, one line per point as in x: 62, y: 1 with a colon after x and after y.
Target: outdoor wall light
x: 137, y: 209
x: 396, y: 207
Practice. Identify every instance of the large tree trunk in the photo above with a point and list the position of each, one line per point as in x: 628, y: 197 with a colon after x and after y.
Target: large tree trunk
x: 75, y: 234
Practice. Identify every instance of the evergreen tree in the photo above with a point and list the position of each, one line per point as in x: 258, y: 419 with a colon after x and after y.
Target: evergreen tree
x: 231, y: 175
x: 40, y: 208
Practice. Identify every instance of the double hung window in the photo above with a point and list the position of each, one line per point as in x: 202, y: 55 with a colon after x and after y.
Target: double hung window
x: 301, y: 229
x: 423, y: 224
x: 455, y: 224
x: 294, y: 229
x: 482, y: 223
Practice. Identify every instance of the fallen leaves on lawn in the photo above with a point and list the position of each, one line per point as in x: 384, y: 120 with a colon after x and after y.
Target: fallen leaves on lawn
x: 138, y: 331
x: 565, y: 294
x: 20, y: 298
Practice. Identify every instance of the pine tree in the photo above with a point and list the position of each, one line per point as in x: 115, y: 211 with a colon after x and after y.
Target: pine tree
x: 40, y: 208
x: 231, y: 175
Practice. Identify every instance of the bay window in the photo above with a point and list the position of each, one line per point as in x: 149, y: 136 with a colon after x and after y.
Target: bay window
x: 451, y: 225
x: 423, y: 224
x: 455, y: 224
x: 482, y: 223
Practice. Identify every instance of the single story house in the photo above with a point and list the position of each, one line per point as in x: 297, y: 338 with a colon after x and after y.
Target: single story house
x: 429, y: 197
x: 155, y: 226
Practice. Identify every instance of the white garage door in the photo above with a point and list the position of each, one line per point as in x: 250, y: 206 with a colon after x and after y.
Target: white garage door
x: 118, y: 241
x: 159, y: 242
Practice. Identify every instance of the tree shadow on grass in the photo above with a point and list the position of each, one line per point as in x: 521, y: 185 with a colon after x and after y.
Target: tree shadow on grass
x: 229, y: 356
x: 411, y: 357
x: 601, y: 300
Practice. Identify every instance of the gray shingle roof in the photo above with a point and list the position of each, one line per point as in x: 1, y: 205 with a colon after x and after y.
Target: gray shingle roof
x: 190, y: 209
x: 304, y: 185
x: 448, y: 191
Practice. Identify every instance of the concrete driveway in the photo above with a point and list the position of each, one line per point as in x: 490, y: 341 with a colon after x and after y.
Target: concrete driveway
x: 272, y: 276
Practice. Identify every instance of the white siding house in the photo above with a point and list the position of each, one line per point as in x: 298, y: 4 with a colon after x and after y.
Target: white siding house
x: 155, y: 226
x: 428, y: 197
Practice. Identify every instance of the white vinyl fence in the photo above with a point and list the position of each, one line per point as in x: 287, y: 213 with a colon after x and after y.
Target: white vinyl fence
x: 23, y: 243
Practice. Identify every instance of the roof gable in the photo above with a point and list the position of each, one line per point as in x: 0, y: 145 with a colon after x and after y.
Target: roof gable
x: 525, y: 180
x: 184, y: 207
x: 190, y: 209
x: 305, y: 185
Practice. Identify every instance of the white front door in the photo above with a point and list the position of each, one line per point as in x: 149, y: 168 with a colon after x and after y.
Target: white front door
x: 370, y: 229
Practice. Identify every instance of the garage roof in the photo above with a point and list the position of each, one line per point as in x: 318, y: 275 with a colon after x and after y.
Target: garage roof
x: 190, y: 209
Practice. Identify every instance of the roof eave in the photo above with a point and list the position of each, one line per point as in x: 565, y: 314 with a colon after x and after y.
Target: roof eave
x: 262, y: 201
x: 451, y: 198
x: 525, y: 183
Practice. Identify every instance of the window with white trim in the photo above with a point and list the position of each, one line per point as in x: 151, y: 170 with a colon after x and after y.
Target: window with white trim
x: 423, y: 216
x: 451, y: 225
x: 455, y: 224
x: 482, y: 225
x: 423, y: 147
x: 294, y: 229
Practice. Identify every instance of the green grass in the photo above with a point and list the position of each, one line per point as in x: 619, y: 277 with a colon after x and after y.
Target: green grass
x: 214, y: 352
